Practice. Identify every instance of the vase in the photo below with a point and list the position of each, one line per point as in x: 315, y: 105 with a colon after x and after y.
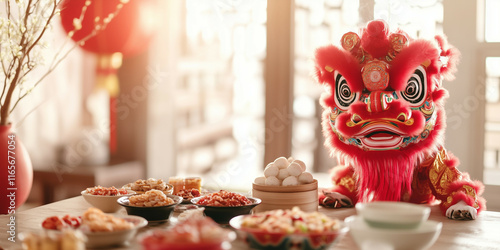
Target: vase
x: 16, y: 171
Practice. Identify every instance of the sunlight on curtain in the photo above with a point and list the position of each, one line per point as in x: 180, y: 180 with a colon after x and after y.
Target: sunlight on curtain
x: 492, y: 21
x: 222, y: 92
x: 317, y: 23
x: 422, y: 19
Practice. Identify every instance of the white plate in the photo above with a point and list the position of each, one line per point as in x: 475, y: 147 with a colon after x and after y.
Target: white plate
x: 116, y: 238
x: 368, y: 237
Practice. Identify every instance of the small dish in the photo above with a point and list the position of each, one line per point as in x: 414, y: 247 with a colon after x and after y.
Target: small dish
x: 156, y: 214
x: 141, y: 186
x: 222, y: 215
x: 367, y: 237
x: 259, y: 239
x: 192, y: 234
x: 392, y: 214
x: 115, y: 238
x: 106, y: 203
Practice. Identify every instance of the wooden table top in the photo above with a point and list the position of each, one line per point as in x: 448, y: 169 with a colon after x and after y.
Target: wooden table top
x: 481, y: 233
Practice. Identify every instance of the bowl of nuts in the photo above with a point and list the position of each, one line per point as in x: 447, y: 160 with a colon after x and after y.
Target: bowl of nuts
x: 153, y: 205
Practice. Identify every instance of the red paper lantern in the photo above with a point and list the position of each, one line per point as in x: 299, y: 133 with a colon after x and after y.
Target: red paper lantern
x: 129, y: 32
x: 123, y: 28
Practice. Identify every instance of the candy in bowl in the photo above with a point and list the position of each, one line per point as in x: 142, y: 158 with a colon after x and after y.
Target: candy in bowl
x: 288, y: 229
x: 105, y: 198
x: 153, y: 205
x: 222, y: 206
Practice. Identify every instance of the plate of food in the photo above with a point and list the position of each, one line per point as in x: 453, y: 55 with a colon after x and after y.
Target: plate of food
x: 287, y: 229
x: 100, y: 229
x: 195, y: 233
x: 188, y: 194
x: 141, y: 186
x: 62, y: 222
x: 105, y: 198
x: 153, y: 205
x: 223, y: 205
x: 65, y: 239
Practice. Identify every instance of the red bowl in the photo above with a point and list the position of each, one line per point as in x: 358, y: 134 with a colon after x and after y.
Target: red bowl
x: 148, y: 244
x: 185, y: 236
x: 260, y: 239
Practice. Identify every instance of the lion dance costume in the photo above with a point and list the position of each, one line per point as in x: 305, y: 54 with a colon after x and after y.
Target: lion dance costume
x: 384, y: 119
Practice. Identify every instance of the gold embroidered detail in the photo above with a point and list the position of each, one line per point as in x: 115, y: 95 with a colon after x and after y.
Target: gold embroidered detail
x: 447, y: 177
x: 449, y: 199
x: 329, y: 69
x: 347, y: 182
x: 470, y: 191
x: 350, y: 41
x: 441, y: 175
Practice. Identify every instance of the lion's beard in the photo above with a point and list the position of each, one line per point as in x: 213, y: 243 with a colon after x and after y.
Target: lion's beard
x: 386, y: 179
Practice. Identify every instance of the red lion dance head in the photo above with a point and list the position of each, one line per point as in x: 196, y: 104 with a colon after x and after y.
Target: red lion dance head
x: 384, y: 106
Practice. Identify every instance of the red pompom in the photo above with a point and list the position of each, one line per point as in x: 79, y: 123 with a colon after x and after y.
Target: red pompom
x: 375, y: 40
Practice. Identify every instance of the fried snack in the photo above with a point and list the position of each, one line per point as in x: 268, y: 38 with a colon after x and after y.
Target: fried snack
x: 146, y: 185
x: 224, y: 199
x: 49, y: 240
x: 152, y: 198
x: 188, y: 194
x: 106, y: 191
x: 97, y: 221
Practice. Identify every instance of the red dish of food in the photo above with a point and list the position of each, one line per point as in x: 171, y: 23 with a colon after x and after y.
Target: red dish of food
x: 106, y: 191
x: 188, y: 194
x: 224, y: 199
x: 59, y: 223
x: 195, y: 234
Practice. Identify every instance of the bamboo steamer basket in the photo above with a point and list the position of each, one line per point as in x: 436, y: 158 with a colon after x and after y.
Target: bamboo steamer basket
x: 304, y: 196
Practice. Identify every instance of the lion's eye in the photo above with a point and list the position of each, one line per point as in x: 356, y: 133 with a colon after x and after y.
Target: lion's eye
x: 343, y: 94
x: 416, y: 87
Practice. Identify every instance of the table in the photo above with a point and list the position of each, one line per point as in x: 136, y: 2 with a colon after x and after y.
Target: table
x: 481, y: 233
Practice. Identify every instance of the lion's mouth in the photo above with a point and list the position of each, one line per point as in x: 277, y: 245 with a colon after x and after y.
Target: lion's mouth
x: 381, y: 138
x: 382, y: 141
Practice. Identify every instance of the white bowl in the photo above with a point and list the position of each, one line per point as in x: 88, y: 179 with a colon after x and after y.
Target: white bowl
x: 106, y: 203
x: 392, y: 214
x: 115, y: 238
x: 368, y: 237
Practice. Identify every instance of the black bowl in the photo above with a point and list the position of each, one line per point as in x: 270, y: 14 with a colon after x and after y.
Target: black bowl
x: 160, y: 213
x: 223, y: 215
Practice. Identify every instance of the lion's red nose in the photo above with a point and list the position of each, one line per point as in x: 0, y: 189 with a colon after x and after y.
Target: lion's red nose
x: 378, y: 101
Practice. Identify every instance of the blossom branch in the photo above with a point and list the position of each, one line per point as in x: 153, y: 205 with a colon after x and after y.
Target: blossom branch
x: 24, y: 31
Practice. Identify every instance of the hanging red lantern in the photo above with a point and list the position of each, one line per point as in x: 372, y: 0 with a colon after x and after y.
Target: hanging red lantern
x: 117, y: 28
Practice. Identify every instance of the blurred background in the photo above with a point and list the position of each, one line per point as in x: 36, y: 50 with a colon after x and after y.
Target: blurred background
x: 225, y: 87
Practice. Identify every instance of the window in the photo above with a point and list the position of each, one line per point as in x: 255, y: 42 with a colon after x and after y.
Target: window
x: 211, y: 110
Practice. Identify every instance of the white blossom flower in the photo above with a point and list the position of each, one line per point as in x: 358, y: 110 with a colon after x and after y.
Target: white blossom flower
x: 21, y: 44
x: 77, y: 24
